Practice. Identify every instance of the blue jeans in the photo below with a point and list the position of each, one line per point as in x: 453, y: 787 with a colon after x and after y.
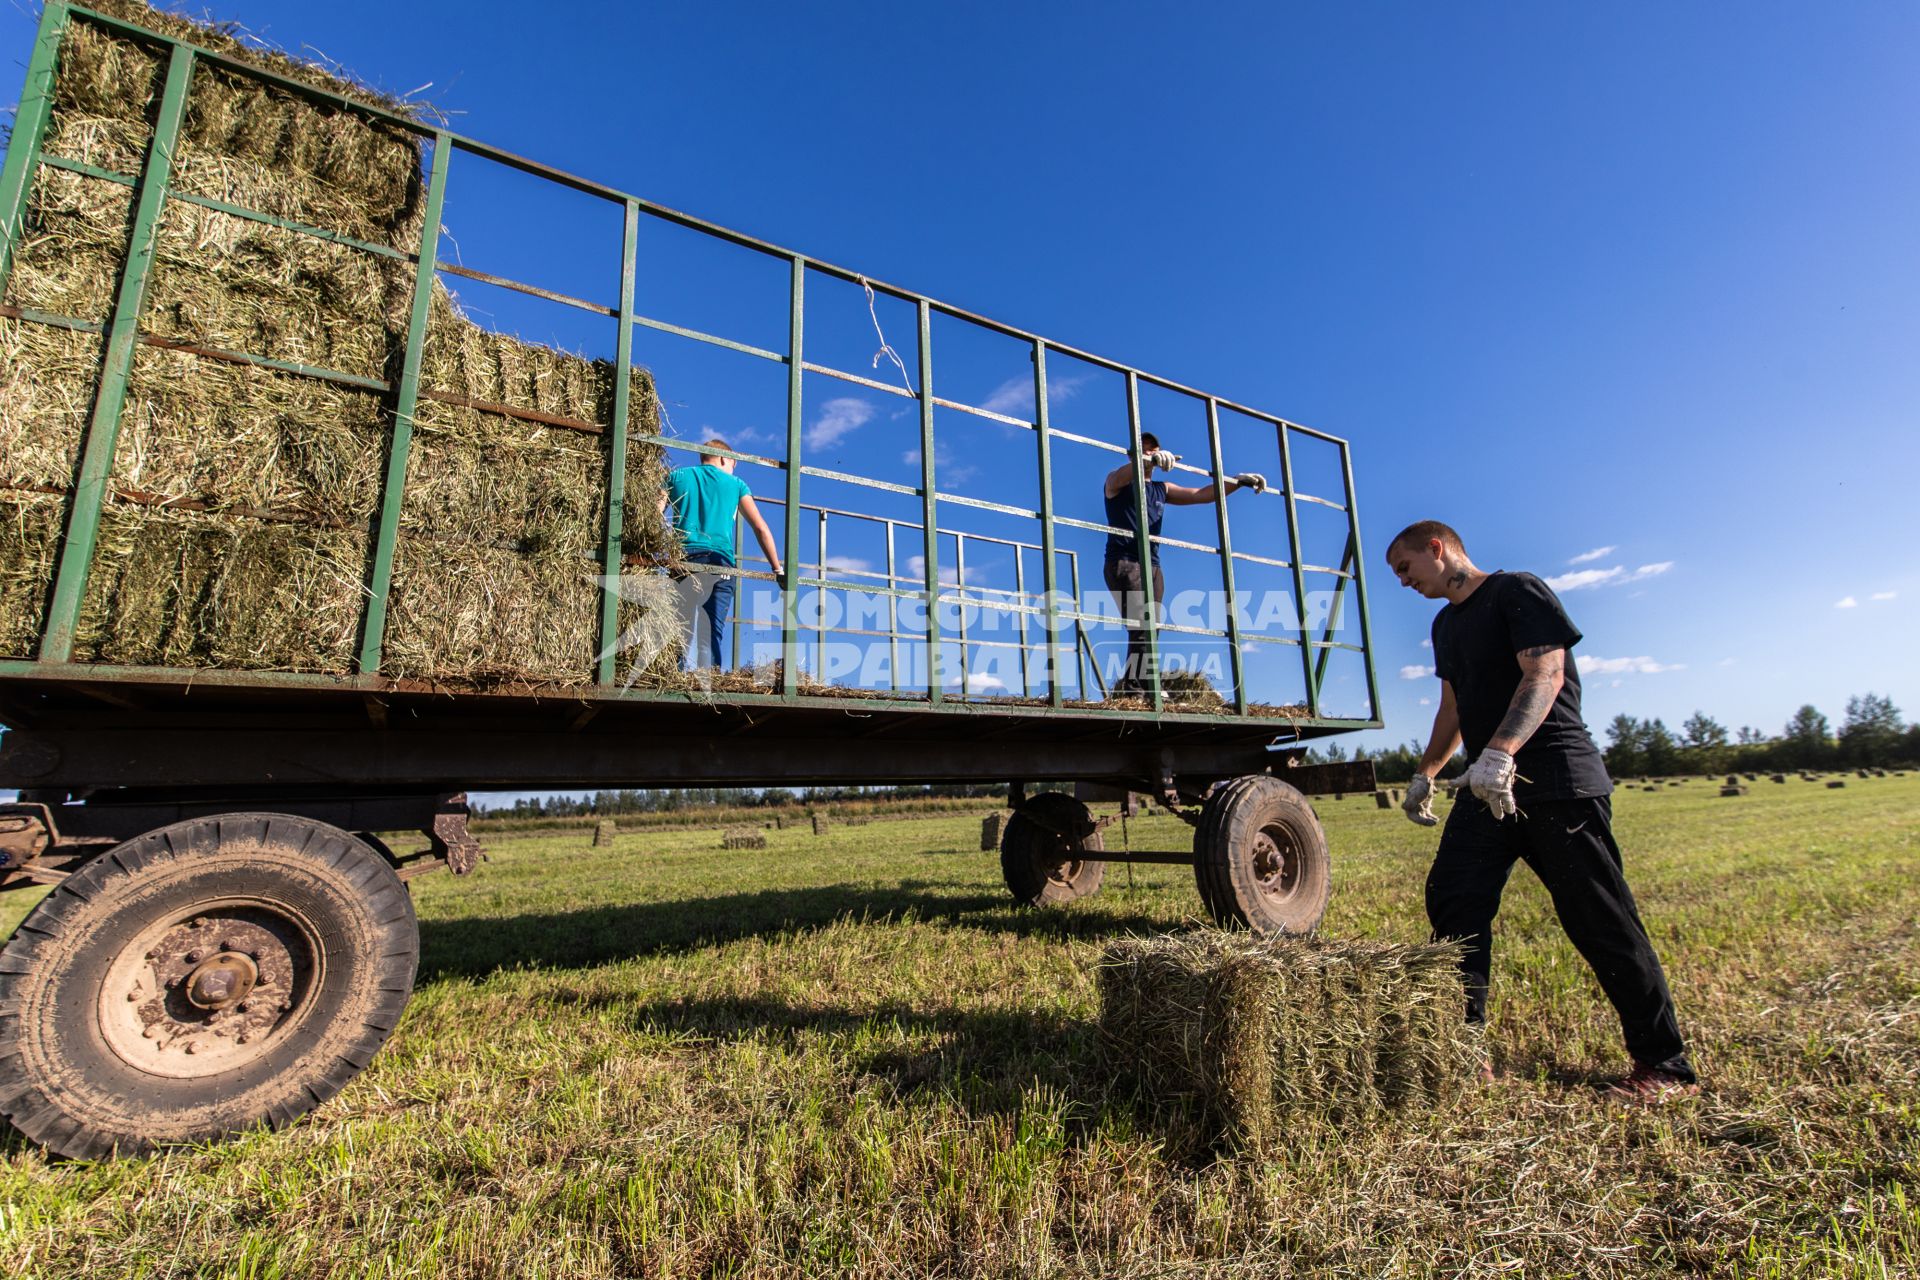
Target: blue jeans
x: 712, y: 595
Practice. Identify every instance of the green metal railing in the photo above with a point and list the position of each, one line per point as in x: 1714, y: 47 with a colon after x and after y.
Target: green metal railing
x: 121, y: 331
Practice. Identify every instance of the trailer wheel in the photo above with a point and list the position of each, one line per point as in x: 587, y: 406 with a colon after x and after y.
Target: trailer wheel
x: 1036, y: 859
x: 1260, y: 857
x: 199, y: 979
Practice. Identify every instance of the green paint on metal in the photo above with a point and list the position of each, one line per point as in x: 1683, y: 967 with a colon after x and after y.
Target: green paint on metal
x: 103, y: 431
x: 1226, y: 556
x: 89, y: 171
x: 1049, y: 572
x: 29, y: 127
x: 1360, y: 583
x: 302, y: 228
x: 1326, y: 643
x: 1144, y: 540
x: 931, y: 529
x: 392, y: 493
x: 617, y: 446
x: 790, y: 546
x: 1299, y: 581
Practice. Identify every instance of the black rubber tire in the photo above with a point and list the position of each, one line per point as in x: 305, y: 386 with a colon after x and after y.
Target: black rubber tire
x: 1260, y: 857
x: 1037, y: 862
x: 65, y: 1085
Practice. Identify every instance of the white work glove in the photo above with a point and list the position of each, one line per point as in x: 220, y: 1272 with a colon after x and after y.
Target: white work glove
x: 1161, y: 458
x: 1491, y: 777
x: 1418, y: 806
x: 1251, y: 480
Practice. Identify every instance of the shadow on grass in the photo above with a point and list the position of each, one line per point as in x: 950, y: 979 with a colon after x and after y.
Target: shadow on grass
x: 476, y: 946
x: 986, y: 1062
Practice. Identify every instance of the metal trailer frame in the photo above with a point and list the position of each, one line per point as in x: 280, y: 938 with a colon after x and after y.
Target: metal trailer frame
x: 119, y: 734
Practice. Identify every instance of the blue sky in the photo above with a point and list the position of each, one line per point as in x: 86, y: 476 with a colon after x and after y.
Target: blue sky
x: 1633, y: 277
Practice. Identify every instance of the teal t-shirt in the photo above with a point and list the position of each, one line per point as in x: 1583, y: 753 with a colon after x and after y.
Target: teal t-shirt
x: 705, y: 501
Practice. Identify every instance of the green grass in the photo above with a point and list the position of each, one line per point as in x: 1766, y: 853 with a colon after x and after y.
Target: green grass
x: 850, y: 1054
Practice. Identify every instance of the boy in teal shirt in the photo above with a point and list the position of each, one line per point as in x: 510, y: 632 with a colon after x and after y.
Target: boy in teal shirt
x: 705, y: 501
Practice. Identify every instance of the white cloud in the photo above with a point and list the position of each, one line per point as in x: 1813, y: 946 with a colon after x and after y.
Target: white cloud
x: 838, y: 417
x: 1586, y: 557
x: 1426, y: 702
x: 979, y: 682
x: 1426, y: 644
x: 917, y: 570
x: 1885, y: 595
x: 1415, y: 672
x: 1846, y: 602
x: 1617, y: 576
x: 1591, y: 665
x: 1014, y: 397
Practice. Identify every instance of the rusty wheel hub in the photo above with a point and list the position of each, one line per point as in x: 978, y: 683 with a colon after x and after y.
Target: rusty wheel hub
x: 1276, y: 862
x: 209, y: 992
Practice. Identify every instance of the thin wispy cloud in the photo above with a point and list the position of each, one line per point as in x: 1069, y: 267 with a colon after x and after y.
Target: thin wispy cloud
x: 1617, y: 576
x: 1426, y: 702
x: 1642, y: 666
x: 1885, y: 595
x: 1846, y: 602
x: 1426, y: 644
x: 1415, y: 672
x: 1588, y: 557
x: 839, y: 417
x: 1014, y: 397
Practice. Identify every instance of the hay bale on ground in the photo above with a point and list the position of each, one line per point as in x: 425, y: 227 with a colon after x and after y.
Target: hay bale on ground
x: 820, y: 824
x: 1256, y: 1032
x: 1735, y: 790
x: 1383, y: 799
x: 992, y: 827
x: 743, y: 838
x: 242, y: 496
x: 1835, y: 784
x: 1779, y: 777
x: 604, y: 831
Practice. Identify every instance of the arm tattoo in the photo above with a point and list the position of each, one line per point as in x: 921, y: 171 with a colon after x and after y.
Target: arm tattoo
x: 1539, y: 685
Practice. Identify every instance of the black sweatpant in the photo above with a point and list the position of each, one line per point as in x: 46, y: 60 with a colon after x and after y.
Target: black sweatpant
x: 1570, y: 846
x: 1129, y: 587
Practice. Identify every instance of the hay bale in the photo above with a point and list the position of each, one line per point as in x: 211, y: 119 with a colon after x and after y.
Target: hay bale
x: 1649, y: 787
x: 992, y: 827
x: 1190, y: 691
x: 1778, y: 777
x: 280, y: 473
x: 1733, y: 780
x: 1835, y: 784
x: 1383, y: 799
x: 604, y: 831
x: 820, y: 824
x: 1735, y: 790
x: 743, y: 838
x: 1255, y: 1032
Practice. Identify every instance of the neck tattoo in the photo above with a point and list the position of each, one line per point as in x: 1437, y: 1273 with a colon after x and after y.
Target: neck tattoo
x: 1459, y: 578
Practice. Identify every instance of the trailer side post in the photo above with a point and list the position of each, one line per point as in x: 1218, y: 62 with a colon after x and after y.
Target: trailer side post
x: 29, y: 127
x: 1299, y: 579
x: 103, y: 432
x: 929, y: 506
x: 790, y: 552
x: 617, y: 448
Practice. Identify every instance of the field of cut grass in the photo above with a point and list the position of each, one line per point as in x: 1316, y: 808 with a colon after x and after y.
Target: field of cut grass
x: 850, y: 1055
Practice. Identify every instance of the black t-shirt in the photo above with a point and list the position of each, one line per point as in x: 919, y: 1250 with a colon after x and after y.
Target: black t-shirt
x: 1474, y: 648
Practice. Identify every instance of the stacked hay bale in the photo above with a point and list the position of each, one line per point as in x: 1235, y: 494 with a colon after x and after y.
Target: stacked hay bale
x: 1260, y: 1032
x: 743, y: 838
x: 243, y: 500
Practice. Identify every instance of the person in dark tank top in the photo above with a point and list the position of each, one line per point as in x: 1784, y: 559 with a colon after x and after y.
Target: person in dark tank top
x: 1536, y: 790
x: 1122, y: 569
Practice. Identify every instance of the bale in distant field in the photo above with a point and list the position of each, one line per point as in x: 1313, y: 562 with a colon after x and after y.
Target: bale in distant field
x: 1835, y: 784
x: 992, y: 827
x: 604, y: 832
x: 1255, y: 1032
x: 237, y: 530
x: 743, y: 838
x: 1733, y: 790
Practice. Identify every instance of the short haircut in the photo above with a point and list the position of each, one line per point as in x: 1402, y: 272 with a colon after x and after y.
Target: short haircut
x: 1420, y: 532
x: 715, y: 443
x: 1149, y: 441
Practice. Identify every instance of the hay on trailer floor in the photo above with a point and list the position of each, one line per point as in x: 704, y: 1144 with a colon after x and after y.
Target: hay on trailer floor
x: 1257, y: 1032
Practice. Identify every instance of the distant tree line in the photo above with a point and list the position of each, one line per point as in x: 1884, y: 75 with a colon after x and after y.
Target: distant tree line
x: 1872, y: 735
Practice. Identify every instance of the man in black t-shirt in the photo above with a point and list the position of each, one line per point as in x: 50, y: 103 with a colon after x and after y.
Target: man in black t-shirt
x: 1539, y: 791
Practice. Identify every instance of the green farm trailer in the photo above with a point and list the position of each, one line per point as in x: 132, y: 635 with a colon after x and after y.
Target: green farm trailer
x: 211, y: 767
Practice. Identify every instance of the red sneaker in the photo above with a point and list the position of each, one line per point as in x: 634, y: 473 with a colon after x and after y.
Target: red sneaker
x: 1651, y: 1084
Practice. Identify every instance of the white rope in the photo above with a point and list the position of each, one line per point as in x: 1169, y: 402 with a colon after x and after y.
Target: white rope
x: 886, y: 348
